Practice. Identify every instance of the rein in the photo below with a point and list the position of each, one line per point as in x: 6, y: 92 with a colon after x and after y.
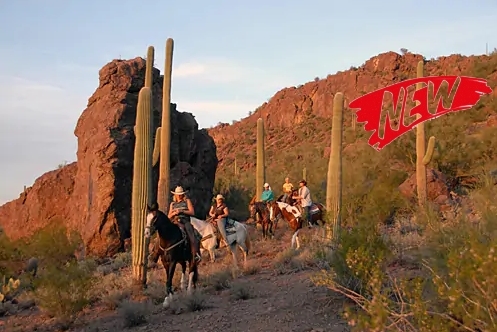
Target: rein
x: 171, y: 246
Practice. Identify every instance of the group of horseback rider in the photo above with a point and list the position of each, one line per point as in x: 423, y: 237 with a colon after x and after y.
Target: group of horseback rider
x: 181, y: 209
x: 302, y: 196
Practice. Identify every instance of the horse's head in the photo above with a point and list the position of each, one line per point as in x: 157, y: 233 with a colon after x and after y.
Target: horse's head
x: 252, y: 207
x: 152, y: 211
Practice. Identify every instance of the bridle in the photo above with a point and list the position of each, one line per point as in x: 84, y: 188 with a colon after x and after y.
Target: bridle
x: 153, y: 229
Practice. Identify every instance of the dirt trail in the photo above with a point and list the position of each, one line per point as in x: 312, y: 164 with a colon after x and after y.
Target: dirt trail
x: 274, y: 294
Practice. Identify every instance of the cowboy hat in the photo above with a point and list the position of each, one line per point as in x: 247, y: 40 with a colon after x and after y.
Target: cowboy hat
x: 219, y: 196
x: 266, y: 185
x: 178, y: 191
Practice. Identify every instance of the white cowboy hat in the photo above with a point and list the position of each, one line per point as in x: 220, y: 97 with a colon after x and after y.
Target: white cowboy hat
x: 178, y: 191
x: 266, y: 185
x: 219, y: 196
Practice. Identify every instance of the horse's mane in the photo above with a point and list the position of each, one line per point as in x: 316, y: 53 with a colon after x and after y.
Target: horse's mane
x: 163, y: 224
x: 199, y: 223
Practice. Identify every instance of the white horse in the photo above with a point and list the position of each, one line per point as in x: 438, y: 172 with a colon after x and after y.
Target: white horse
x: 237, y: 235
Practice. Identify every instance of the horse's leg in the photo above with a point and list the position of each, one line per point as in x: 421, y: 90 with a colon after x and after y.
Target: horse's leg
x: 183, y: 276
x: 271, y: 229
x: 263, y: 224
x: 294, y: 236
x: 193, y: 278
x: 192, y: 268
x: 244, y: 249
x: 212, y: 254
x: 170, y: 267
x: 297, y: 238
x: 234, y: 253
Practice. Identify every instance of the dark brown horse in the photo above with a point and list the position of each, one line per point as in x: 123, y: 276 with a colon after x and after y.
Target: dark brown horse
x: 261, y: 209
x: 174, y: 247
x: 291, y: 214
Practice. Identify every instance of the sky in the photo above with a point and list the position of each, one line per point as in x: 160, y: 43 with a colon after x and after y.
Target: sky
x: 229, y: 57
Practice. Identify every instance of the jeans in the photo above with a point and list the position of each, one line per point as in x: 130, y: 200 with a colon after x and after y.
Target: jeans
x: 221, y: 225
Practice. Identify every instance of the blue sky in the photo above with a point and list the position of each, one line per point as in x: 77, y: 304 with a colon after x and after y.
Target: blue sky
x: 230, y: 57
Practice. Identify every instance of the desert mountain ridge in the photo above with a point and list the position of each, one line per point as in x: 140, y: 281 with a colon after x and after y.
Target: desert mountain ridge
x: 291, y: 106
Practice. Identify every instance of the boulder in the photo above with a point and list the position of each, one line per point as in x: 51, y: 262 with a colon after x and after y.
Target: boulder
x: 436, y: 186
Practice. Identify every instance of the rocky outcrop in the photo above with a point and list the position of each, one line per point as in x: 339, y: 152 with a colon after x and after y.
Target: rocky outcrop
x: 93, y: 195
x: 437, y: 187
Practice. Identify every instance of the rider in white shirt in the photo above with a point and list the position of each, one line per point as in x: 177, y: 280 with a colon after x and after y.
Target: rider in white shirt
x: 304, y: 197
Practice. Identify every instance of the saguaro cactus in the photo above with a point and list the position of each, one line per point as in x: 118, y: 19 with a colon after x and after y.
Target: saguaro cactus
x: 423, y: 157
x: 304, y: 173
x: 142, y: 184
x: 260, y: 170
x: 163, y: 135
x: 150, y: 66
x: 334, y: 181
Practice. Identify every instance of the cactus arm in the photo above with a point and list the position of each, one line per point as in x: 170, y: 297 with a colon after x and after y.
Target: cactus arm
x: 304, y: 173
x: 334, y: 178
x: 156, y: 153
x: 429, y: 151
x: 142, y: 184
x: 165, y: 137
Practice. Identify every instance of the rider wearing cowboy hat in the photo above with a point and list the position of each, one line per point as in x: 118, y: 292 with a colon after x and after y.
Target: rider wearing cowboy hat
x: 180, y: 211
x: 267, y: 194
x: 219, y: 213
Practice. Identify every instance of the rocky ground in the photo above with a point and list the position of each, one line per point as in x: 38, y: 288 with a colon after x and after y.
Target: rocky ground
x: 273, y: 293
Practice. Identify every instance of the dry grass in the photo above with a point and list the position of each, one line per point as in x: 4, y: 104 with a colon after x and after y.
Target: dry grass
x: 251, y: 268
x: 133, y: 313
x: 241, y: 291
x: 220, y: 280
x: 196, y: 301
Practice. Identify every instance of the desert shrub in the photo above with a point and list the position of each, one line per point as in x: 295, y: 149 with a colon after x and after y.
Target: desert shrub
x: 63, y: 290
x: 133, y: 313
x: 220, y: 280
x: 355, y: 262
x: 53, y: 245
x: 62, y: 287
x: 454, y: 290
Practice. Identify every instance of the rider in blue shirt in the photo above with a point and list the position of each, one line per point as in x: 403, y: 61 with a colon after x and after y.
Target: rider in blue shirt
x: 267, y: 195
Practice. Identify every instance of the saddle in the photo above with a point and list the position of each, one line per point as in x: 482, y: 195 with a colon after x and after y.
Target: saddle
x: 229, y: 227
x: 314, y: 208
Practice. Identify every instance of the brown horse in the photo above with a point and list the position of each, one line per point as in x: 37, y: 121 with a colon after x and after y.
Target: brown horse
x: 260, y: 208
x: 316, y: 211
x: 291, y: 214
